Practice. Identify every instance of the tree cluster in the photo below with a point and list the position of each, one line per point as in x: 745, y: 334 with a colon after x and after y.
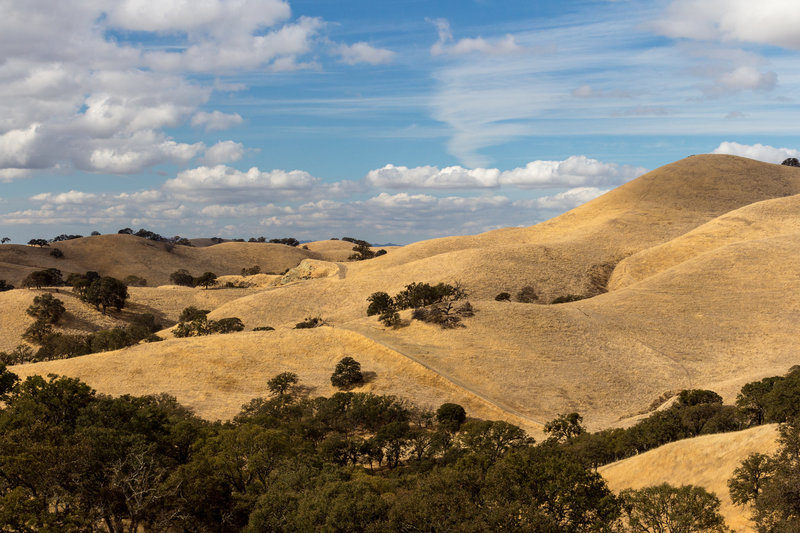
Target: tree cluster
x: 363, y: 250
x: 184, y: 278
x: 103, y: 292
x: 153, y: 236
x: 437, y: 304
x: 50, y: 277
x: 5, y: 286
x: 194, y: 322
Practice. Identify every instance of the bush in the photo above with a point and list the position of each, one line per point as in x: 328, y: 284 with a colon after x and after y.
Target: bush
x: 135, y: 281
x: 182, y: 277
x: 379, y: 303
x: 202, y: 326
x: 253, y: 270
x: 264, y: 328
x: 58, y: 254
x: 390, y: 318
x: 527, y: 295
x: 227, y: 325
x: 567, y: 298
x: 503, y: 297
x: 59, y: 346
x: 5, y: 286
x: 47, y: 308
x: 310, y: 322
x: 791, y: 162
x: 347, y: 374
x: 191, y: 313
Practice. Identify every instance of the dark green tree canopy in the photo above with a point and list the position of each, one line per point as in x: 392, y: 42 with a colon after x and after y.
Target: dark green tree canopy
x: 107, y: 292
x: 347, y: 374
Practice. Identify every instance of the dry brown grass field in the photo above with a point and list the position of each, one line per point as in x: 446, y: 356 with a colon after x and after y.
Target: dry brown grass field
x: 699, y: 258
x: 707, y: 461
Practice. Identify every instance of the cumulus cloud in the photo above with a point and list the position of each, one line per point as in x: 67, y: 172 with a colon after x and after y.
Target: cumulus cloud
x: 565, y: 200
x: 216, y: 120
x: 571, y: 172
x: 223, y: 152
x: 760, y: 152
x: 447, y: 46
x: 362, y: 52
x: 770, y: 22
x: 71, y: 197
x: 747, y: 78
x: 223, y: 183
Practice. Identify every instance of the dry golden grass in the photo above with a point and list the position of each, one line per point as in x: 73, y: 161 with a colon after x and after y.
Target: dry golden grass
x: 707, y: 461
x: 216, y: 375
x: 717, y: 317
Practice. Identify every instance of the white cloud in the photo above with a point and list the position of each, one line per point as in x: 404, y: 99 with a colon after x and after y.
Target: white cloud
x: 565, y: 200
x: 223, y: 152
x: 771, y: 22
x: 223, y: 183
x: 362, y: 52
x: 760, y: 152
x: 216, y: 120
x: 446, y: 46
x: 8, y: 175
x: 71, y: 197
x: 571, y: 172
x: 748, y: 78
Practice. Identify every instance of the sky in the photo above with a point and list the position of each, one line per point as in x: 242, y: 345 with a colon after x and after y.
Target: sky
x: 386, y: 121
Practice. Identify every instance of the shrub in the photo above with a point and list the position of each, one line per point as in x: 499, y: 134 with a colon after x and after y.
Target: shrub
x: 5, y: 286
x: 253, y: 270
x: 264, y: 328
x: 567, y: 298
x: 424, y: 294
x: 135, y: 281
x: 390, y: 318
x: 310, y: 322
x: 379, y: 303
x: 347, y: 374
x: 47, y: 308
x: 527, y: 295
x: 206, y: 280
x: 182, y: 277
x: 107, y: 292
x: 791, y: 162
x: 58, y: 254
x: 226, y: 325
x: 19, y: 355
x: 37, y: 332
x: 190, y: 313
x: 503, y: 297
x: 109, y: 339
x: 38, y: 242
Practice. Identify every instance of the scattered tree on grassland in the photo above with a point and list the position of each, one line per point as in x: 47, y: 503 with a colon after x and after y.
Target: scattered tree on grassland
x: 38, y: 242
x: 347, y: 374
x: 47, y: 308
x: 5, y: 286
x: 311, y: 322
x: 182, y: 277
x: 50, y: 277
x: 281, y: 384
x: 669, y: 509
x: 107, y: 292
x: 791, y: 162
x: 206, y: 280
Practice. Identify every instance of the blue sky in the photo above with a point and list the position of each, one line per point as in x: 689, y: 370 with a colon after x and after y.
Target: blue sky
x: 389, y: 121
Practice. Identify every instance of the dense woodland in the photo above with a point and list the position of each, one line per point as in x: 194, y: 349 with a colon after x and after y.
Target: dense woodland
x: 75, y: 460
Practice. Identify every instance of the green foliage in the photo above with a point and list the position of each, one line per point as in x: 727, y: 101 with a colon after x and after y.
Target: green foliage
x: 379, y: 302
x: 567, y: 298
x: 418, y: 295
x: 182, y: 277
x: 566, y: 427
x: 450, y: 416
x: 754, y: 399
x: 281, y: 384
x: 748, y: 479
x: 5, y: 286
x: 288, y: 241
x: 253, y: 270
x: 688, y: 398
x: 503, y: 297
x: 50, y: 277
x: 135, y: 281
x: 19, y: 355
x: 191, y: 313
x: 206, y: 280
x: 527, y: 295
x: 201, y: 326
x: 57, y: 253
x: 669, y: 509
x: 363, y: 250
x: 107, y: 292
x: 263, y: 328
x: 38, y: 242
x: 310, y: 322
x: 390, y: 319
x: 38, y: 332
x: 347, y: 373
x: 46, y: 308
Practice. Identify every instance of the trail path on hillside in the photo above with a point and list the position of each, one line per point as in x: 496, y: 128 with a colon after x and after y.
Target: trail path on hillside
x: 372, y: 335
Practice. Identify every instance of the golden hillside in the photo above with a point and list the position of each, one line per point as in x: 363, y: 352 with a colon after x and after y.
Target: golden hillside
x: 707, y: 461
x: 715, y: 319
x: 124, y: 255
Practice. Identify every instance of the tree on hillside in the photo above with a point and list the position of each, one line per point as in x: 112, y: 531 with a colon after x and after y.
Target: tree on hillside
x: 46, y: 307
x: 206, y: 280
x: 5, y: 240
x: 347, y: 374
x: 50, y: 277
x: 282, y: 383
x: 5, y: 286
x: 791, y: 162
x: 107, y: 292
x: 182, y: 277
x: 38, y: 242
x: 565, y: 428
x: 669, y: 509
